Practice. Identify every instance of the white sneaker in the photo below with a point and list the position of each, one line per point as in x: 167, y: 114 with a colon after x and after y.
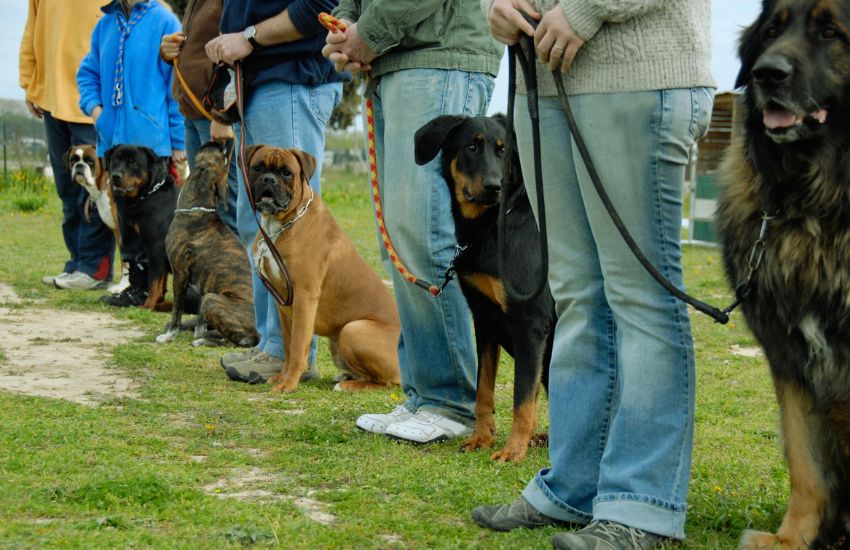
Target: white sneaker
x: 378, y: 423
x: 427, y: 427
x: 79, y: 281
x: 51, y: 279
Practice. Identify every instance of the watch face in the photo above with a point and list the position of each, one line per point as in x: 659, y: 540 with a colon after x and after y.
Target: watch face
x: 250, y: 32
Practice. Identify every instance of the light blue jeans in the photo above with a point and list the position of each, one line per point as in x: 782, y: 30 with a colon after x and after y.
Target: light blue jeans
x: 436, y: 352
x: 198, y: 133
x: 281, y: 115
x: 621, y: 382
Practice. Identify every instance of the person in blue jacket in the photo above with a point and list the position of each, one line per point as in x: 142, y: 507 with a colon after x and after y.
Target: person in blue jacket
x: 126, y: 88
x: 289, y: 104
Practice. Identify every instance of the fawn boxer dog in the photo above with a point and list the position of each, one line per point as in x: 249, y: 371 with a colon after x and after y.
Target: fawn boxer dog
x: 203, y: 252
x: 86, y: 170
x: 334, y: 291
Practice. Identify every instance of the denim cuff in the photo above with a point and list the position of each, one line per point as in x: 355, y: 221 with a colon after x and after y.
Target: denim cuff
x: 538, y: 494
x: 632, y: 510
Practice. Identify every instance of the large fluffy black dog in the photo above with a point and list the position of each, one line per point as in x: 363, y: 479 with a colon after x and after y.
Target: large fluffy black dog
x: 791, y: 166
x: 472, y: 166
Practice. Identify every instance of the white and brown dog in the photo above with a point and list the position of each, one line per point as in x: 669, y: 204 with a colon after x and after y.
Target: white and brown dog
x: 86, y: 169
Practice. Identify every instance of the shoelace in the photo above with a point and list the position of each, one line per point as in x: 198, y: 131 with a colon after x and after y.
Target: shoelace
x: 613, y: 532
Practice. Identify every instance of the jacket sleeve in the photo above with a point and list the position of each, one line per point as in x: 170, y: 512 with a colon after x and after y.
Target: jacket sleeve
x: 88, y: 75
x: 486, y: 6
x: 27, y: 61
x: 305, y: 15
x: 176, y: 124
x: 587, y: 16
x: 347, y: 9
x: 385, y: 22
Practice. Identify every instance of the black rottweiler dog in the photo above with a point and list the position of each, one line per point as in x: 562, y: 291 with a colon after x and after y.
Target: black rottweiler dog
x: 145, y: 198
x: 472, y: 159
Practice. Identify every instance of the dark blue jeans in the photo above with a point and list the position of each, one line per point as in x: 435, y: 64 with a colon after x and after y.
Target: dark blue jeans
x: 90, y: 243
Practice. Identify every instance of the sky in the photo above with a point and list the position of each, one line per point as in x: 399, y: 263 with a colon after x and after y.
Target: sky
x: 728, y: 17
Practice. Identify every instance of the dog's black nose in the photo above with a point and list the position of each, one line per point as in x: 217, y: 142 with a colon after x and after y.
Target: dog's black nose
x: 772, y: 70
x: 116, y: 178
x: 268, y: 179
x: 492, y: 184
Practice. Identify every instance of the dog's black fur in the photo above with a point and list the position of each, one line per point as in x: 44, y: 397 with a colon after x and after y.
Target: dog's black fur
x: 145, y: 198
x: 472, y: 165
x: 792, y: 164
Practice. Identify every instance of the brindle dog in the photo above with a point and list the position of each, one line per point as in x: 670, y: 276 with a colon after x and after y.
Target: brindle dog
x: 791, y: 169
x: 335, y: 292
x: 472, y: 159
x: 204, y: 253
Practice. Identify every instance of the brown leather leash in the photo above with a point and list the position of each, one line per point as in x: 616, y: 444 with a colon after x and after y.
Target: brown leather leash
x: 268, y: 241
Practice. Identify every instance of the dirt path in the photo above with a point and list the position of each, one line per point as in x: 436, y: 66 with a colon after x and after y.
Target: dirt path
x: 59, y: 353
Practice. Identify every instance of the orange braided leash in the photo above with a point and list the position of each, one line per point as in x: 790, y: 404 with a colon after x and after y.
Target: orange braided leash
x: 334, y: 25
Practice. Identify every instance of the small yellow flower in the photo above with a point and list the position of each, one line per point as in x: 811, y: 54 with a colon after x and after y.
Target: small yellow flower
x: 394, y: 397
x: 209, y: 427
x: 718, y: 489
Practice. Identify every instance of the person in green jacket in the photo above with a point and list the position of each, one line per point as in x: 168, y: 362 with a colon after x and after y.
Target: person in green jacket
x: 426, y: 58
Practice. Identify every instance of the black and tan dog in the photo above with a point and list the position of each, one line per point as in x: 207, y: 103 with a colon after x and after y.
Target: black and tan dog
x: 472, y: 166
x: 145, y: 199
x: 789, y: 174
x: 335, y: 292
x: 206, y: 254
x: 86, y: 170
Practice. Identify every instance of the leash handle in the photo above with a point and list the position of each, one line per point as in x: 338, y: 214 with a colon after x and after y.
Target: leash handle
x: 334, y: 26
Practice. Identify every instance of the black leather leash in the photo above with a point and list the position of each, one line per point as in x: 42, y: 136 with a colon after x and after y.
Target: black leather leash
x: 525, y: 52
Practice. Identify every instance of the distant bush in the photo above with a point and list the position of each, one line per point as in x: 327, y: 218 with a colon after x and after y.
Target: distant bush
x: 27, y: 189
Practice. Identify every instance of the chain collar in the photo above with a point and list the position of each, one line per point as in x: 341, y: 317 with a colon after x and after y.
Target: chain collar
x: 194, y: 210
x: 154, y: 189
x: 298, y: 216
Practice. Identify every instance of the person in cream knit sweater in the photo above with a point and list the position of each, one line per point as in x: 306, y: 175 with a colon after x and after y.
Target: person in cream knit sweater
x: 621, y: 382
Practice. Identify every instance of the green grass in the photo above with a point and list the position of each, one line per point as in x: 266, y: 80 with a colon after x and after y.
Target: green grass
x: 127, y: 473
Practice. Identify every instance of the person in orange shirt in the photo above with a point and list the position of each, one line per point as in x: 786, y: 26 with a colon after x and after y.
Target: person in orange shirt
x: 56, y: 38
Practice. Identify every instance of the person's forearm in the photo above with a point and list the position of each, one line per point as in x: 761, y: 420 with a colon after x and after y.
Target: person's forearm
x: 277, y: 30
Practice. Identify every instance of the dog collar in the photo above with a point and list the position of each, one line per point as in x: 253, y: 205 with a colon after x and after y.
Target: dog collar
x: 154, y: 189
x: 298, y: 216
x: 194, y: 210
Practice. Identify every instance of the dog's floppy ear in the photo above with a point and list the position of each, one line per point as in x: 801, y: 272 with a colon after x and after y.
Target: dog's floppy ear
x: 107, y: 156
x: 750, y: 44
x: 429, y: 139
x: 307, y: 163
x: 250, y: 152
x: 158, y: 166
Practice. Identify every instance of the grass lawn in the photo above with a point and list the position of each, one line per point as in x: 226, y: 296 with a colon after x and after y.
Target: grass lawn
x: 152, y: 471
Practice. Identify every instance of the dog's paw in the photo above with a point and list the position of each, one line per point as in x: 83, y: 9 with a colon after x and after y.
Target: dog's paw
x: 510, y: 454
x: 759, y: 540
x: 165, y: 337
x: 477, y: 441
x: 205, y: 342
x: 285, y: 387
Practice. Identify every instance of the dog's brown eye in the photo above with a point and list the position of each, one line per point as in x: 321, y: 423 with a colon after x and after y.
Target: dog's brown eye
x: 828, y: 33
x: 500, y: 150
x: 771, y: 32
x: 473, y: 147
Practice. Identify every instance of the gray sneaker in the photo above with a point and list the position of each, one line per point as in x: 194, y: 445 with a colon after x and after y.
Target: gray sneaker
x: 507, y: 517
x: 255, y: 367
x: 79, y: 281
x: 608, y: 535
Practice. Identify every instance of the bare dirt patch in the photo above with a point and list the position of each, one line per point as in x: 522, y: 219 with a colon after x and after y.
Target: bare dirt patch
x: 61, y: 354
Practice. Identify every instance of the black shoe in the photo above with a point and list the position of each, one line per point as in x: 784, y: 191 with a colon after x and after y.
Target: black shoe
x: 129, y: 297
x: 507, y: 517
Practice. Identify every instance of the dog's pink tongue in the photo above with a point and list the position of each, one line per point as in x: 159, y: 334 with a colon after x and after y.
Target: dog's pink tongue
x: 779, y: 118
x: 820, y: 114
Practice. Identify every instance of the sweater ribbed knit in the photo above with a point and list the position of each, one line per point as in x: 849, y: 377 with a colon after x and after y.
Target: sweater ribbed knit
x: 631, y: 45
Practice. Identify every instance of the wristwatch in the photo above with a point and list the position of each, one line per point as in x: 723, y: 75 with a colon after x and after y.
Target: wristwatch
x: 250, y: 35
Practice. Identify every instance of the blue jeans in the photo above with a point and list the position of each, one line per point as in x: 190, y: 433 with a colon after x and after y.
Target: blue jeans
x: 436, y: 352
x: 90, y: 243
x: 621, y: 382
x: 281, y: 115
x: 197, y: 134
